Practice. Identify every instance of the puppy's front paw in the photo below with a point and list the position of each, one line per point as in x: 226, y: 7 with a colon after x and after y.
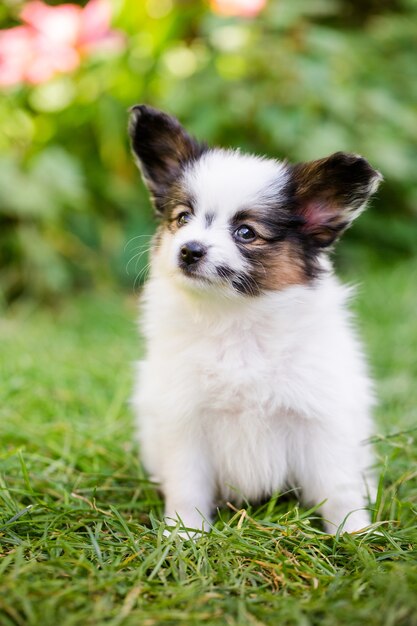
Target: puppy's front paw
x: 185, y: 534
x: 353, y: 523
x: 188, y: 525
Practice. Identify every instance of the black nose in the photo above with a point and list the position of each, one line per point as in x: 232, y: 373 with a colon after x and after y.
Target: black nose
x: 192, y: 252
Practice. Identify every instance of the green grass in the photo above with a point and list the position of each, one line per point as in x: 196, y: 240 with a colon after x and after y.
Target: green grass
x: 80, y: 534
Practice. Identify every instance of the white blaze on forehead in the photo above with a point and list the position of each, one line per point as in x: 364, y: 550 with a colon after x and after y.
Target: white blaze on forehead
x: 223, y: 182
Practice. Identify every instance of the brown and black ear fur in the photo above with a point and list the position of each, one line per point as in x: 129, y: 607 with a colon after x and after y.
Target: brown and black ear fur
x: 329, y: 193
x: 162, y: 148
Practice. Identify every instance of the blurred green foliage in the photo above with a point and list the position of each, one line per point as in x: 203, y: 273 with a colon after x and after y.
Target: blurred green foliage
x: 301, y: 80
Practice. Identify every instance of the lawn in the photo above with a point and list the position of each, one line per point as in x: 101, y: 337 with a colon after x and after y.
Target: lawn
x: 80, y: 533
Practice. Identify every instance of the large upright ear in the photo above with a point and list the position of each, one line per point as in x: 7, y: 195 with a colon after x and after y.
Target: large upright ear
x: 330, y: 193
x: 161, y: 148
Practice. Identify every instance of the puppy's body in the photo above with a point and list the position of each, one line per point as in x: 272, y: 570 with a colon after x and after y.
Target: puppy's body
x: 253, y: 379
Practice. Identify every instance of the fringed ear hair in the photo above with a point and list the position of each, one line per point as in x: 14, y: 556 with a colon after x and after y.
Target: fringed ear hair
x: 161, y: 148
x: 330, y: 193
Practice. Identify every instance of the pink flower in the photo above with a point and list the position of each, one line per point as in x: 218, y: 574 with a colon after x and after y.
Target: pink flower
x: 16, y: 45
x: 94, y: 31
x: 54, y: 40
x: 238, y: 8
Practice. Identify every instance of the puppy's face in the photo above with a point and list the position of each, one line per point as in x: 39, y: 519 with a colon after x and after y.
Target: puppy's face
x: 239, y: 223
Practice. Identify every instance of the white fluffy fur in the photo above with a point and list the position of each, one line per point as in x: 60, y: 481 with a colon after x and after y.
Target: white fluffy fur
x: 225, y: 181
x: 239, y: 397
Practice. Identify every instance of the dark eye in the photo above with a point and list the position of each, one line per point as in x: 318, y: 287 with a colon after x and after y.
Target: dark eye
x: 245, y: 233
x: 183, y: 218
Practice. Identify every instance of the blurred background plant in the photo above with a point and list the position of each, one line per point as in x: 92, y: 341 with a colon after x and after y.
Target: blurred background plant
x: 289, y: 78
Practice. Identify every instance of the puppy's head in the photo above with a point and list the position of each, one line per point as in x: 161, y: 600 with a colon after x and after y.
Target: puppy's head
x: 241, y: 223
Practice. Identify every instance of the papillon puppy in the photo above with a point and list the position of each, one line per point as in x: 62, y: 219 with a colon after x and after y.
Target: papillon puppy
x: 253, y: 379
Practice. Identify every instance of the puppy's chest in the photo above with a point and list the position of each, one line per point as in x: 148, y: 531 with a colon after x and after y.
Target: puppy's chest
x: 245, y: 421
x: 241, y: 373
